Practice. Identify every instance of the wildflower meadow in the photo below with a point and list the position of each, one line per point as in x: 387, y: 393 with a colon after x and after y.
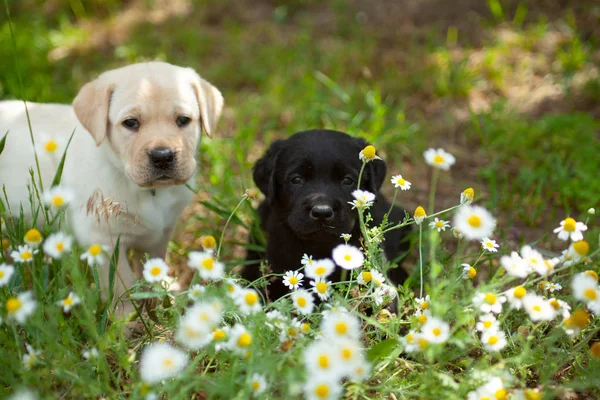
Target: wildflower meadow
x: 484, y: 314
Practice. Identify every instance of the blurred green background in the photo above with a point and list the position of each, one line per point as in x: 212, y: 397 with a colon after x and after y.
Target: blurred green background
x: 510, y: 88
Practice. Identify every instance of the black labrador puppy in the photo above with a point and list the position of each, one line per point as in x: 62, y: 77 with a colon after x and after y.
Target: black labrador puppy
x: 308, y: 182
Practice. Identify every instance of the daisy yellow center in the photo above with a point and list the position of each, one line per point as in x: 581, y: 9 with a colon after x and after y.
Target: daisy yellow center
x: 168, y: 363
x: 369, y: 152
x: 348, y: 257
x: 437, y: 331
x: 320, y: 270
x: 13, y: 305
x: 251, y: 298
x: 487, y: 324
x: 493, y: 340
x: 155, y: 271
x: 5, y: 244
x: 301, y: 301
x: 423, y: 343
x: 50, y: 146
x: 322, y: 391
x: 33, y: 235
x: 424, y: 305
x: 341, y: 328
x: 582, y: 247
x: 68, y: 301
x: 204, y: 316
x: 532, y: 394
x: 60, y: 246
x: 346, y: 354
x: 230, y: 288
x: 555, y: 304
x: 95, y: 250
x: 420, y: 212
x: 580, y: 318
x: 439, y: 224
x: 595, y: 350
x: 469, y: 192
x: 422, y: 318
x: 190, y: 332
x: 490, y: 298
x: 569, y: 225
x: 26, y: 255
x: 244, y: 340
x: 219, y: 334
x: 208, y: 263
x: 208, y: 242
x: 590, y: 294
x: 305, y: 327
x: 58, y: 201
x: 438, y: 159
x: 321, y: 287
x: 1, y: 274
x: 367, y: 276
x: 474, y: 221
x: 472, y: 273
x: 537, y: 308
x: 520, y: 292
x: 593, y: 274
x: 293, y: 280
x: 500, y: 394
x: 323, y: 361
x: 255, y: 386
x: 401, y: 181
x: 410, y: 338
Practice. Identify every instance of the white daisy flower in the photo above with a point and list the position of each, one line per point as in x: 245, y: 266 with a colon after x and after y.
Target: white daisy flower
x: 515, y: 297
x: 490, y: 245
x: 90, y: 353
x: 303, y: 301
x: 248, y: 301
x: 275, y: 319
x: 468, y: 271
x: 319, y: 269
x: 58, y: 197
x: 206, y: 264
x: 23, y: 254
x: 21, y: 307
x: 258, y: 384
x: 240, y: 339
x: 493, y: 341
x: 552, y: 287
x: 439, y: 224
x: 368, y: 154
x: 57, y: 244
x: 423, y: 303
x: 489, y: 302
x: 193, y: 334
x: 360, y: 370
x: 322, y: 288
x: 6, y: 272
x: 322, y: 388
x: 591, y: 211
x: 321, y: 358
x: 362, y: 199
x: 208, y: 243
x: 436, y: 330
x: 561, y: 306
x: 33, y: 238
x: 220, y: 337
x: 399, y: 182
x: 538, y: 308
x: 457, y: 233
x: 155, y: 270
x: 30, y: 359
x: 384, y: 292
x: 487, y: 323
x: 467, y: 196
x: 474, y: 222
x: 570, y: 229
x: 514, y: 265
x: 439, y: 158
x: 51, y: 145
x: 585, y: 288
x: 348, y: 257
x: 346, y: 237
x: 423, y: 316
x: 231, y: 287
x: 306, y: 260
x: 349, y: 353
x: 94, y: 254
x: 195, y: 291
x: 206, y: 313
x: 293, y: 279
x: 411, y: 342
x: 69, y: 302
x: 534, y: 259
x: 575, y: 253
x: 419, y: 215
x: 161, y: 361
x: 340, y: 324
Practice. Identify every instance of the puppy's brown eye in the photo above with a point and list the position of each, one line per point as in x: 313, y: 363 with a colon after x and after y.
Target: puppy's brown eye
x: 132, y: 124
x: 183, y: 121
x: 297, y: 180
x: 347, y: 181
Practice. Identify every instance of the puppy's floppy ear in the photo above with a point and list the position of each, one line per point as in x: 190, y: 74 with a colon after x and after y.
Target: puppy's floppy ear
x: 91, y: 107
x: 264, y: 170
x: 375, y: 171
x: 210, y: 102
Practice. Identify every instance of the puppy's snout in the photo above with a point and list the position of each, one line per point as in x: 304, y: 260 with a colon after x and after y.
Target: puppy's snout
x: 322, y: 212
x: 162, y: 157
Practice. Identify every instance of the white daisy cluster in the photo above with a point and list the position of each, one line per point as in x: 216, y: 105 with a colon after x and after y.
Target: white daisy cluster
x: 362, y: 199
x: 431, y: 330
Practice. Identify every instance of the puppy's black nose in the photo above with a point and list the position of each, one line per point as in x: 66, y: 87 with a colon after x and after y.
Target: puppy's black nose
x: 162, y: 157
x: 321, y: 212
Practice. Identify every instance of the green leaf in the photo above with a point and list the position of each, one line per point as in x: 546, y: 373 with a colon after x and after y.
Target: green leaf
x: 146, y: 295
x: 59, y: 171
x: 114, y: 261
x: 382, y: 349
x: 3, y: 142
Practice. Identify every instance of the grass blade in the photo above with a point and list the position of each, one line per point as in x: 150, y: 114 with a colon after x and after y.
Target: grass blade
x: 59, y: 171
x: 3, y: 142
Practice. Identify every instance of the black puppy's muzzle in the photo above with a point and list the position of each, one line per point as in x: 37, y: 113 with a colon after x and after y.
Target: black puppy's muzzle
x: 322, y: 213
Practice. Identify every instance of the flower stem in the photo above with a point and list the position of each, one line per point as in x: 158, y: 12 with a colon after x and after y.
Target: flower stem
x: 434, y: 179
x: 421, y: 258
x: 244, y: 198
x: 392, y: 204
x: 362, y: 169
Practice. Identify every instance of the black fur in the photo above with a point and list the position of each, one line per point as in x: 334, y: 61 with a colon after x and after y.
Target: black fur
x: 317, y: 168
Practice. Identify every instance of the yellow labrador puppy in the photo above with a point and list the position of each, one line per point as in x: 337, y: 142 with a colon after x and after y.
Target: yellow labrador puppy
x: 137, y: 130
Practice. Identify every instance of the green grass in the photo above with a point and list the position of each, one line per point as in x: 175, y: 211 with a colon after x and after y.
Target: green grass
x: 303, y: 64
